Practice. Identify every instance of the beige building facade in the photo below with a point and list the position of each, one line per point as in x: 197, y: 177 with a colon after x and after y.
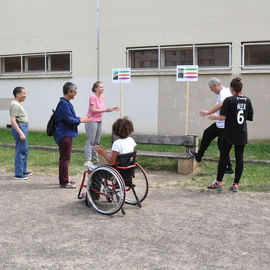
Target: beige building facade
x: 48, y: 43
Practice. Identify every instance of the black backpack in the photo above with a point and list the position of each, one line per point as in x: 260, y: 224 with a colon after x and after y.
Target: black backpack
x: 52, y: 123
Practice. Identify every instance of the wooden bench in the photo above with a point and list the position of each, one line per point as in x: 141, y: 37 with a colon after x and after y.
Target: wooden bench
x: 186, y: 163
x: 4, y: 105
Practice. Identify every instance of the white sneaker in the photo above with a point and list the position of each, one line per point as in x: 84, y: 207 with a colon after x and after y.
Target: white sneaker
x: 88, y: 163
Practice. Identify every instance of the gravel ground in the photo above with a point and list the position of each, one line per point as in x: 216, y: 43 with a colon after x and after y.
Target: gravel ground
x: 45, y: 227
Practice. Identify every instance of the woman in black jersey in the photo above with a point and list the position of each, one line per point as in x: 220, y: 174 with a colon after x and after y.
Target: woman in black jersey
x: 235, y: 111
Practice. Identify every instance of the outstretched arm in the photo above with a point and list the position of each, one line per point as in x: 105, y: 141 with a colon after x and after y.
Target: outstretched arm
x: 213, y: 116
x: 95, y: 110
x: 111, y: 158
x: 211, y: 111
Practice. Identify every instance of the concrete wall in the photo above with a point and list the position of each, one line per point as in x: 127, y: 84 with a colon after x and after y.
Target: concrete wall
x: 172, y: 104
x: 140, y: 101
x: 154, y: 101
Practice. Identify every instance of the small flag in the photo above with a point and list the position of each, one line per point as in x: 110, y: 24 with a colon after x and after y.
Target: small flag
x: 186, y: 73
x: 121, y: 75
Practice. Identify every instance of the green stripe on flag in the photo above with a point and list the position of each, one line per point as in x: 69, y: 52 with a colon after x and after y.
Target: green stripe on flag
x: 191, y: 69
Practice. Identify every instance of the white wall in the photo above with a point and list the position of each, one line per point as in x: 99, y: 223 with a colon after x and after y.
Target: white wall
x: 139, y: 101
x: 29, y: 26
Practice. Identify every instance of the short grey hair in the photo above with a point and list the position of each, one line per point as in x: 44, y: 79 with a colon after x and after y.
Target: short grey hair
x: 69, y: 86
x: 214, y: 81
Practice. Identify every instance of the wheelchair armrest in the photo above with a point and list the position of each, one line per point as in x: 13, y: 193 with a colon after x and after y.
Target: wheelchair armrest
x: 126, y: 168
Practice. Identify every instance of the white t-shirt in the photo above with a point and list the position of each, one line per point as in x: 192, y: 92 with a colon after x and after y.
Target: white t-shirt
x: 224, y: 93
x: 124, y: 146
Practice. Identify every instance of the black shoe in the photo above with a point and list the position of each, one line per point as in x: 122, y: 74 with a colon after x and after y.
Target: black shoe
x: 195, y: 155
x: 20, y: 177
x: 27, y: 174
x: 229, y: 171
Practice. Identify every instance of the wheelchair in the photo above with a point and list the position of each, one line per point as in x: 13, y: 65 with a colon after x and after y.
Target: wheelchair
x: 109, y: 187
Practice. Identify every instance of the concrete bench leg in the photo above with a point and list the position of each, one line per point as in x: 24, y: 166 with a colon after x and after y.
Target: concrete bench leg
x: 186, y: 166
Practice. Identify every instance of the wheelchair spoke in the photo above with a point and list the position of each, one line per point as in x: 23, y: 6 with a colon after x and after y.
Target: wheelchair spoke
x: 102, y: 192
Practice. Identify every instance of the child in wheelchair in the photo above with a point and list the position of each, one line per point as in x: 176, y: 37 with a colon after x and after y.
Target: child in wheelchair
x: 122, y: 155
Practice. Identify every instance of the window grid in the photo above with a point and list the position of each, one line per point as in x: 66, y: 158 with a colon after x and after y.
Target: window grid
x: 244, y: 65
x: 24, y: 63
x: 194, y: 47
x: 45, y: 60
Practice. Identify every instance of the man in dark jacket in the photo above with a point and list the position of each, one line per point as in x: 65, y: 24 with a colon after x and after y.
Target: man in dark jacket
x: 66, y: 129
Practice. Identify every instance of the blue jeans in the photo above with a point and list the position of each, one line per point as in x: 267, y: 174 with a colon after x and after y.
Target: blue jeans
x: 21, y: 150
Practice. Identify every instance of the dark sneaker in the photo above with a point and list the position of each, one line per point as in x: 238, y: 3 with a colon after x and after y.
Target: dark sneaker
x: 235, y: 187
x: 229, y: 171
x: 20, y: 177
x: 216, y: 186
x: 195, y: 155
x: 27, y: 174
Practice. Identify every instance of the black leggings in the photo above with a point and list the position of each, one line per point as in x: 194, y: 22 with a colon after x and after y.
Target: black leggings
x: 239, y: 158
x: 209, y: 135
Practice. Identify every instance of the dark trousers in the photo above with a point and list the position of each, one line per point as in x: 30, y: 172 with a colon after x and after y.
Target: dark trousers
x: 209, y: 135
x: 239, y: 158
x: 65, y: 152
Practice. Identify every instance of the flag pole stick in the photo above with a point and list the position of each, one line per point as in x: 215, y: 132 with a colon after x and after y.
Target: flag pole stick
x: 121, y: 104
x: 187, y: 97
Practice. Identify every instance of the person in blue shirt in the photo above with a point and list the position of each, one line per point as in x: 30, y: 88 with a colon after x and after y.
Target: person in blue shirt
x: 66, y: 129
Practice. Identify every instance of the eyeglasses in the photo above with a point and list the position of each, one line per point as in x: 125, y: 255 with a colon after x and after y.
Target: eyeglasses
x: 75, y: 92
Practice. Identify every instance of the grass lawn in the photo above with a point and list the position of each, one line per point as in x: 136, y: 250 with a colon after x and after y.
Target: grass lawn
x: 255, y: 177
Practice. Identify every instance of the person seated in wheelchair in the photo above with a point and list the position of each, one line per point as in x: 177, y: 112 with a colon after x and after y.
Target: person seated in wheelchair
x: 123, y: 155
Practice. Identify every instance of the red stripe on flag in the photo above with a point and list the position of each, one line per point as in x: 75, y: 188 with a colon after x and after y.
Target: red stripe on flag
x: 189, y: 72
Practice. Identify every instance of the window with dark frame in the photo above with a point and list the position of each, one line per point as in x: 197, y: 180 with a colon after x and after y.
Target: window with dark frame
x: 11, y: 64
x: 213, y: 56
x: 26, y: 63
x: 208, y: 56
x: 181, y: 56
x: 144, y: 58
x: 257, y: 55
x: 58, y: 62
x: 34, y: 63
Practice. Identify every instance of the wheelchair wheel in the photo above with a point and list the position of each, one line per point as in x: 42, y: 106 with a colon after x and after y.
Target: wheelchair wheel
x: 106, y: 190
x: 138, y: 188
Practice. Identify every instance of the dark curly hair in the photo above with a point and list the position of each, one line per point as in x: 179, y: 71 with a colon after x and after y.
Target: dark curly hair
x: 122, y: 127
x: 236, y: 84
